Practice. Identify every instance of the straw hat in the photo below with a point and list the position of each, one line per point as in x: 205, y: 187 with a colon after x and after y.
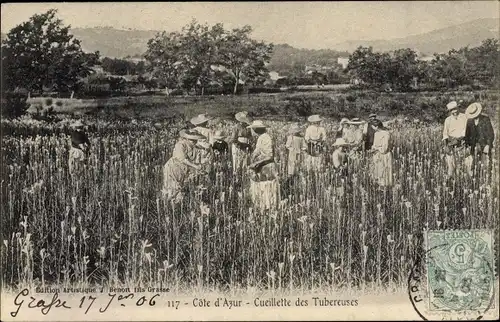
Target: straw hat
x: 372, y: 116
x: 257, y: 124
x: 190, y: 135
x: 243, y: 140
x: 218, y: 135
x: 203, y: 144
x: 356, y: 121
x: 243, y: 117
x: 340, y: 142
x: 451, y: 105
x: 200, y: 119
x: 314, y: 118
x: 473, y: 110
x: 344, y: 120
x: 77, y: 124
x: 294, y: 129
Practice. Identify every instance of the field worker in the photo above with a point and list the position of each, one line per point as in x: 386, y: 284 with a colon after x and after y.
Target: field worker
x: 479, y: 136
x: 453, y: 136
x: 339, y: 156
x: 369, y: 132
x: 342, y: 127
x: 294, y: 144
x: 264, y: 177
x: 381, y: 167
x: 314, y: 138
x: 219, y: 145
x: 201, y: 126
x: 181, y: 164
x: 354, y: 134
x: 80, y: 146
x: 241, y: 141
x: 220, y: 151
x: 203, y: 152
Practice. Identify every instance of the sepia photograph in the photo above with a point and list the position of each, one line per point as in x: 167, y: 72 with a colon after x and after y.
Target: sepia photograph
x: 246, y: 161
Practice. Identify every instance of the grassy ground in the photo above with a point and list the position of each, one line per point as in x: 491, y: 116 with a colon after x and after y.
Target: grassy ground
x: 427, y: 106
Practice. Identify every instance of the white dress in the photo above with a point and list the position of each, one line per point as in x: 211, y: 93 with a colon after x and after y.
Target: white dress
x: 314, y: 135
x: 381, y: 169
x: 294, y: 145
x: 175, y: 172
x: 264, y: 182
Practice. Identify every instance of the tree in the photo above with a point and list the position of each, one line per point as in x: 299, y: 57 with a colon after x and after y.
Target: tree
x: 370, y: 67
x: 41, y: 54
x: 404, y: 68
x: 164, y: 55
x: 201, y: 55
x: 243, y: 56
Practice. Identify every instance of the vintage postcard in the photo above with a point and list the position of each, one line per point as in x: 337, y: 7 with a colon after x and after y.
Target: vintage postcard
x: 246, y: 161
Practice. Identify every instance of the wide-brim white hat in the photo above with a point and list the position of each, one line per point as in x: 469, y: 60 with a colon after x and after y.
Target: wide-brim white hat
x: 190, y: 135
x: 294, y: 129
x: 355, y: 121
x: 451, y: 106
x: 473, y: 110
x: 77, y: 124
x: 200, y: 119
x: 243, y: 117
x: 257, y: 124
x: 340, y: 142
x: 314, y: 118
x: 218, y: 135
x: 243, y: 140
x: 203, y: 144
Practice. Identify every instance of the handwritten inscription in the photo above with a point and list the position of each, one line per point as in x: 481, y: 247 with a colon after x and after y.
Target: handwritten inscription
x: 86, y: 302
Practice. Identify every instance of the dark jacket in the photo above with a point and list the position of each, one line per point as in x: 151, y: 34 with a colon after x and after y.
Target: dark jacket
x: 79, y: 137
x: 481, y: 134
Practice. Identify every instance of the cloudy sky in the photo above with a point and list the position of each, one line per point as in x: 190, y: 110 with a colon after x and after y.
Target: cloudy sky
x: 300, y: 24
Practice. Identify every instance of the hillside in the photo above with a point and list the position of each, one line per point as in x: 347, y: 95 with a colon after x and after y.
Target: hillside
x: 118, y: 43
x: 112, y: 42
x: 438, y: 41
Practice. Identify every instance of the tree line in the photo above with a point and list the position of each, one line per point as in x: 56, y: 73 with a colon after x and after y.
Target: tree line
x: 402, y: 70
x: 41, y: 55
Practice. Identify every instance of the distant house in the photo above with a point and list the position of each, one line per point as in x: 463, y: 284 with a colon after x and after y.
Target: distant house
x: 425, y: 58
x: 344, y: 61
x: 97, y: 69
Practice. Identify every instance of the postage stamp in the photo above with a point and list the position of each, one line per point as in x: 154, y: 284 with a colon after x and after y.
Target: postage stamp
x: 459, y: 265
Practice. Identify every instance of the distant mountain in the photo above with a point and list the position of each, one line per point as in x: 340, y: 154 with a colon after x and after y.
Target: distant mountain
x: 118, y: 43
x: 470, y: 33
x: 112, y: 42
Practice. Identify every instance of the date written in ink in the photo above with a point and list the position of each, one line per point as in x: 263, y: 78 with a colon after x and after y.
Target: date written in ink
x: 87, y: 303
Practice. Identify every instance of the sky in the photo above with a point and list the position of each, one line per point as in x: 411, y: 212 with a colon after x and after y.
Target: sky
x: 300, y: 24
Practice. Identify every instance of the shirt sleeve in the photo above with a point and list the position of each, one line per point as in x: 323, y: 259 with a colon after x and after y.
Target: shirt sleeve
x: 383, y: 144
x: 490, y: 133
x: 445, y: 129
x: 307, y: 134
x: 180, y: 151
x: 288, y: 143
x: 322, y: 134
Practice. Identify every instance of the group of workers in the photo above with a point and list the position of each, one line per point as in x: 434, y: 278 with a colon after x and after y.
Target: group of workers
x: 250, y: 150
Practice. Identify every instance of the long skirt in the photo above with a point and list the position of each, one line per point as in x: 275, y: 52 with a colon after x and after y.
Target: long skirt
x: 314, y: 164
x: 381, y: 169
x: 240, y: 158
x: 293, y: 163
x: 76, y: 161
x: 264, y: 194
x: 175, y: 174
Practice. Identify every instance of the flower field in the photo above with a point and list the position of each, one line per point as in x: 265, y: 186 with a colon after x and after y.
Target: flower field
x: 110, y: 226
